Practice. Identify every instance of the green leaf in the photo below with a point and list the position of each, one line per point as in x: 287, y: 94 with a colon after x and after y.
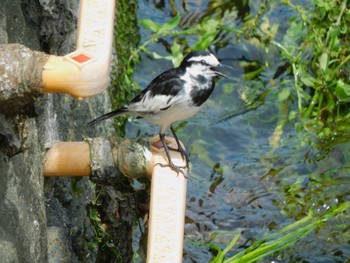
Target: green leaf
x: 94, y: 215
x: 176, y: 51
x: 307, y: 79
x: 207, y: 31
x: 171, y: 24
x: 157, y: 56
x: 343, y: 91
x: 282, y: 96
x: 220, y: 256
x: 323, y: 60
x: 151, y: 25
x: 231, y: 244
x: 205, y: 41
x: 158, y: 28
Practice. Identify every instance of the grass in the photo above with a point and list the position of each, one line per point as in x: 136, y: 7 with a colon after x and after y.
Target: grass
x: 281, y: 240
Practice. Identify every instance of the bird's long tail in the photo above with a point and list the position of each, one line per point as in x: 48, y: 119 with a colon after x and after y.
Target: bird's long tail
x: 108, y: 115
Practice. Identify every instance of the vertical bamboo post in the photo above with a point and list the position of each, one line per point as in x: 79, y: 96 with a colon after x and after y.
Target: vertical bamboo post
x: 85, y: 72
x: 167, y: 208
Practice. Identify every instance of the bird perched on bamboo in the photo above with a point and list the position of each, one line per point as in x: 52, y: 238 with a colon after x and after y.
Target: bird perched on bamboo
x: 174, y: 95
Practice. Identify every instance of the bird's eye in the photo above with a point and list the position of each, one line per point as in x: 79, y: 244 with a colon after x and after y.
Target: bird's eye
x: 203, y: 62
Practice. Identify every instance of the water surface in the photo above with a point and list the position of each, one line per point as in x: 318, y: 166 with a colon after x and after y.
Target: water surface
x: 238, y: 175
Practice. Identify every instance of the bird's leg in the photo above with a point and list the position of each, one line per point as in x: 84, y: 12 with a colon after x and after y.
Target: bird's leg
x: 179, y: 147
x: 171, y: 164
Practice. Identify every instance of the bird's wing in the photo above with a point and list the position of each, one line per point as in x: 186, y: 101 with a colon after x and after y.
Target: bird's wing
x: 161, y: 93
x: 108, y: 115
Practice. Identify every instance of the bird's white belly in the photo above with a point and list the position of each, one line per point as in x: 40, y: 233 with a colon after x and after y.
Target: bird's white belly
x: 176, y: 112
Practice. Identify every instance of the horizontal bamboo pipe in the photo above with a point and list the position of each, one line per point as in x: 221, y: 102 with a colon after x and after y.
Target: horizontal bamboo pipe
x: 68, y: 159
x: 134, y: 159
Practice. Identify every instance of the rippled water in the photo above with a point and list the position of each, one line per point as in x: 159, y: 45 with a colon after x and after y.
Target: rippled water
x: 237, y: 177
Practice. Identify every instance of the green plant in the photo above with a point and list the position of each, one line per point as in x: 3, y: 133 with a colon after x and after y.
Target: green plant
x: 205, y: 33
x: 316, y: 47
x: 279, y: 241
x: 103, y: 245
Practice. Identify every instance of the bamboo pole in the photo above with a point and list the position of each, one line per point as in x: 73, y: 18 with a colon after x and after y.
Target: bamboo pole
x: 167, y: 208
x: 68, y: 159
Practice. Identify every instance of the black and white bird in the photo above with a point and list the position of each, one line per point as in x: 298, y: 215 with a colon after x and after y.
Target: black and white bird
x: 174, y: 95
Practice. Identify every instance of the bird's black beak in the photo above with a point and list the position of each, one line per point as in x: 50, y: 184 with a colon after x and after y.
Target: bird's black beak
x: 223, y: 70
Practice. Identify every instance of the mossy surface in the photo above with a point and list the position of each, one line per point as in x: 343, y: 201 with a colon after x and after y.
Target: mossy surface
x: 126, y: 40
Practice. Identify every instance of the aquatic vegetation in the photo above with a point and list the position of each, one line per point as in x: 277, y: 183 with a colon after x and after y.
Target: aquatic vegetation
x: 316, y: 48
x: 278, y: 241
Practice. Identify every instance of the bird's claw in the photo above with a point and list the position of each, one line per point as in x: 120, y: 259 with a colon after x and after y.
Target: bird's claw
x: 182, y: 152
x: 177, y: 169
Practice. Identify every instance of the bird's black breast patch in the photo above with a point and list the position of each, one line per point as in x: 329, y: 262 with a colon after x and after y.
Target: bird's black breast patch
x: 200, y: 95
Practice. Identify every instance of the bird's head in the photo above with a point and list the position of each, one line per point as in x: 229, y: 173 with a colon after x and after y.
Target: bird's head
x: 203, y: 63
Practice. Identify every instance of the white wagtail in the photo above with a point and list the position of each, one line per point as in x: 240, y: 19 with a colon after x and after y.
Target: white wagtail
x: 174, y: 95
